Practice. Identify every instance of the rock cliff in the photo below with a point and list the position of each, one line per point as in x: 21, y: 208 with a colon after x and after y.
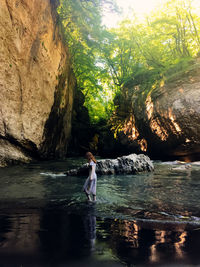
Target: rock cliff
x: 36, y: 82
x: 166, y: 123
x: 173, y: 116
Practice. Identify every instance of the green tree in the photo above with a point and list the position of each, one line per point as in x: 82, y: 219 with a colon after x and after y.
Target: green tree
x: 84, y: 33
x: 141, y: 56
x: 132, y: 59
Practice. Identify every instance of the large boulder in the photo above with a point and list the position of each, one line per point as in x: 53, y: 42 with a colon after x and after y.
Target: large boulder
x: 36, y: 82
x: 130, y: 164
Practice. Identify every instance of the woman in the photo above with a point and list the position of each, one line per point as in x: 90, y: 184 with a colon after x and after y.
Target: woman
x: 91, y: 182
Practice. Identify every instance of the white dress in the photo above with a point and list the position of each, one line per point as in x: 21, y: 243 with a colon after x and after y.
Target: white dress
x: 91, y: 183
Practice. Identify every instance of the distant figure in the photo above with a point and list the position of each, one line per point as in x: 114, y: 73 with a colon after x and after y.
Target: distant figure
x: 91, y: 182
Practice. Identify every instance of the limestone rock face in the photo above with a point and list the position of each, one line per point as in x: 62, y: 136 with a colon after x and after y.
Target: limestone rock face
x: 130, y: 164
x: 174, y: 119
x: 166, y: 123
x: 7, y: 149
x: 36, y: 81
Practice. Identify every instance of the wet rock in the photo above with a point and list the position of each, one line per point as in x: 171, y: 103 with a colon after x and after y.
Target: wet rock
x: 11, y: 154
x: 130, y: 164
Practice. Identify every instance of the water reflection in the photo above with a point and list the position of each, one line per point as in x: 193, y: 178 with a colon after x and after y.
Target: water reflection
x: 41, y: 237
x: 136, y: 244
x: 18, y: 232
x: 90, y: 229
x: 146, y: 219
x: 164, y: 238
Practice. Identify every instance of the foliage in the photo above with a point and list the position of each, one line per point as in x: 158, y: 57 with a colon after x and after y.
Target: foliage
x: 81, y: 20
x: 145, y: 55
x: 131, y: 60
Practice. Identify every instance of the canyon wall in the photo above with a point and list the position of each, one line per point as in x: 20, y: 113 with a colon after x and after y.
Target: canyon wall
x: 36, y: 82
x: 165, y: 123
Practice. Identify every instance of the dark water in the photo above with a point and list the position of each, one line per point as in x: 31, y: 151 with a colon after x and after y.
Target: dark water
x: 151, y: 219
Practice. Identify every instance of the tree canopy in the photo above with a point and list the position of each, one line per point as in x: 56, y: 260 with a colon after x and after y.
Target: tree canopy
x: 84, y: 34
x: 144, y: 54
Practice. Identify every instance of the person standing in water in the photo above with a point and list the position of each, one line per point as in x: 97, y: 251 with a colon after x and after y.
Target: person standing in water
x: 91, y: 182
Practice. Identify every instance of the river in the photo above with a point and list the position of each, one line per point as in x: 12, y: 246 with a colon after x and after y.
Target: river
x: 149, y: 219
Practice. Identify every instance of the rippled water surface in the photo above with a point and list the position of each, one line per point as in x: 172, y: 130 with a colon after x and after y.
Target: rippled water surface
x: 138, y: 220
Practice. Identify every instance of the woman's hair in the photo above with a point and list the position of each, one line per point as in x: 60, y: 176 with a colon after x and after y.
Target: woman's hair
x: 90, y: 156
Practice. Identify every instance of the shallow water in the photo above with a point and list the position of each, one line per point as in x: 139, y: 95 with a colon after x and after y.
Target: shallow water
x: 138, y: 220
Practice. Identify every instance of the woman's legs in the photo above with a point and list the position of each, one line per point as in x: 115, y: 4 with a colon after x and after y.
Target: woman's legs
x: 90, y: 188
x: 94, y: 186
x: 88, y: 196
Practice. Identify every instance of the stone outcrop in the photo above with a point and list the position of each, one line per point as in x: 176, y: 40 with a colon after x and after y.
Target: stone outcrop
x: 36, y: 82
x: 130, y: 164
x: 166, y: 123
x: 173, y: 118
x: 10, y: 154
